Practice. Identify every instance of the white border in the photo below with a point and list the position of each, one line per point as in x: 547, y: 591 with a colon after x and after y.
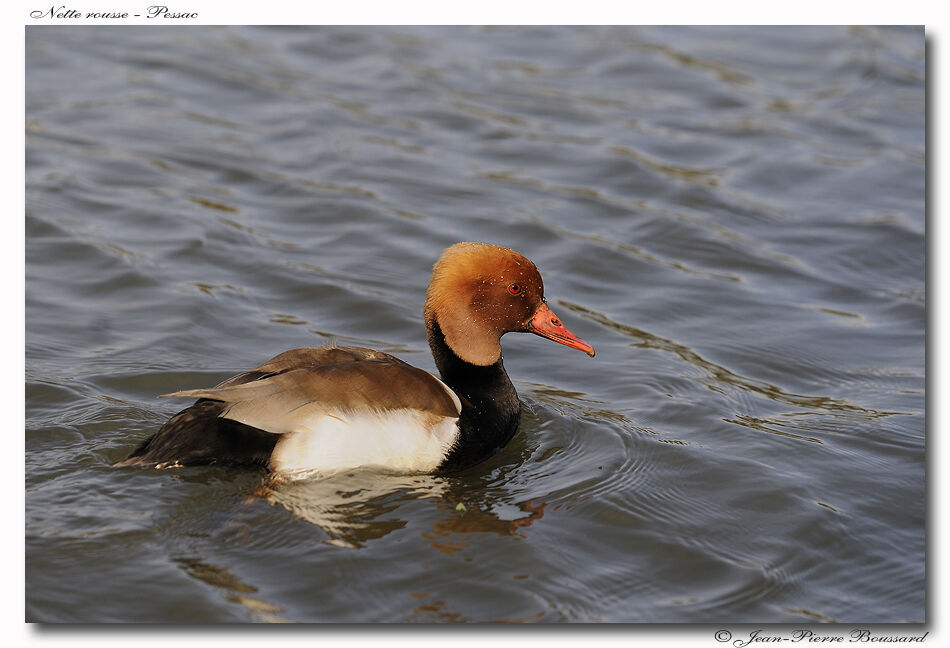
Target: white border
x: 16, y: 14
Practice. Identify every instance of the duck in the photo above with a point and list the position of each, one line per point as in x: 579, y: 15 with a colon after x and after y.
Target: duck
x: 321, y: 410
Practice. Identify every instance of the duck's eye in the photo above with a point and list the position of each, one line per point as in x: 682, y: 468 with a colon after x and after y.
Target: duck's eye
x: 514, y: 289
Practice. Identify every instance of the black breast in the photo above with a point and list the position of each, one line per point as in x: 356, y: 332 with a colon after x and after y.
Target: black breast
x: 491, y: 410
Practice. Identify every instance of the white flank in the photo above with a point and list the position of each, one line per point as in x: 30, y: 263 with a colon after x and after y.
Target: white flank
x: 399, y: 440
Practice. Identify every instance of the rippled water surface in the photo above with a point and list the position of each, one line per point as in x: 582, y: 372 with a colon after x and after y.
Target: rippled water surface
x: 733, y: 217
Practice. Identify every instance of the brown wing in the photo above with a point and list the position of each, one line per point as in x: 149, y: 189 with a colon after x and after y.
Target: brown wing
x: 308, y: 357
x: 299, y: 384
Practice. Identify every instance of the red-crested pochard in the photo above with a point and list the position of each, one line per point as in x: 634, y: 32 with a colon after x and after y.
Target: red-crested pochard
x: 320, y: 410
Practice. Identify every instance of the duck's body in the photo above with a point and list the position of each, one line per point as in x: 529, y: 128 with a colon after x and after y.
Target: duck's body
x: 320, y: 410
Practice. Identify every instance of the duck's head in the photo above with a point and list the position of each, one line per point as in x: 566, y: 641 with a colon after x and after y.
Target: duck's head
x: 479, y: 292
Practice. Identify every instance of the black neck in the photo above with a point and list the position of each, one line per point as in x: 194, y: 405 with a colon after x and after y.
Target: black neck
x: 490, y: 406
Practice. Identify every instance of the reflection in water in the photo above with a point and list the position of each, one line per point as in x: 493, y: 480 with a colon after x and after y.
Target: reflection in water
x: 450, y: 534
x: 350, y: 507
x: 724, y: 72
x: 355, y: 507
x: 564, y: 400
x: 720, y: 377
x: 763, y: 425
x: 649, y: 257
x: 220, y: 577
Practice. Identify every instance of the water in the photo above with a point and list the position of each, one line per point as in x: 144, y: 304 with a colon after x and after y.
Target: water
x: 733, y: 217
